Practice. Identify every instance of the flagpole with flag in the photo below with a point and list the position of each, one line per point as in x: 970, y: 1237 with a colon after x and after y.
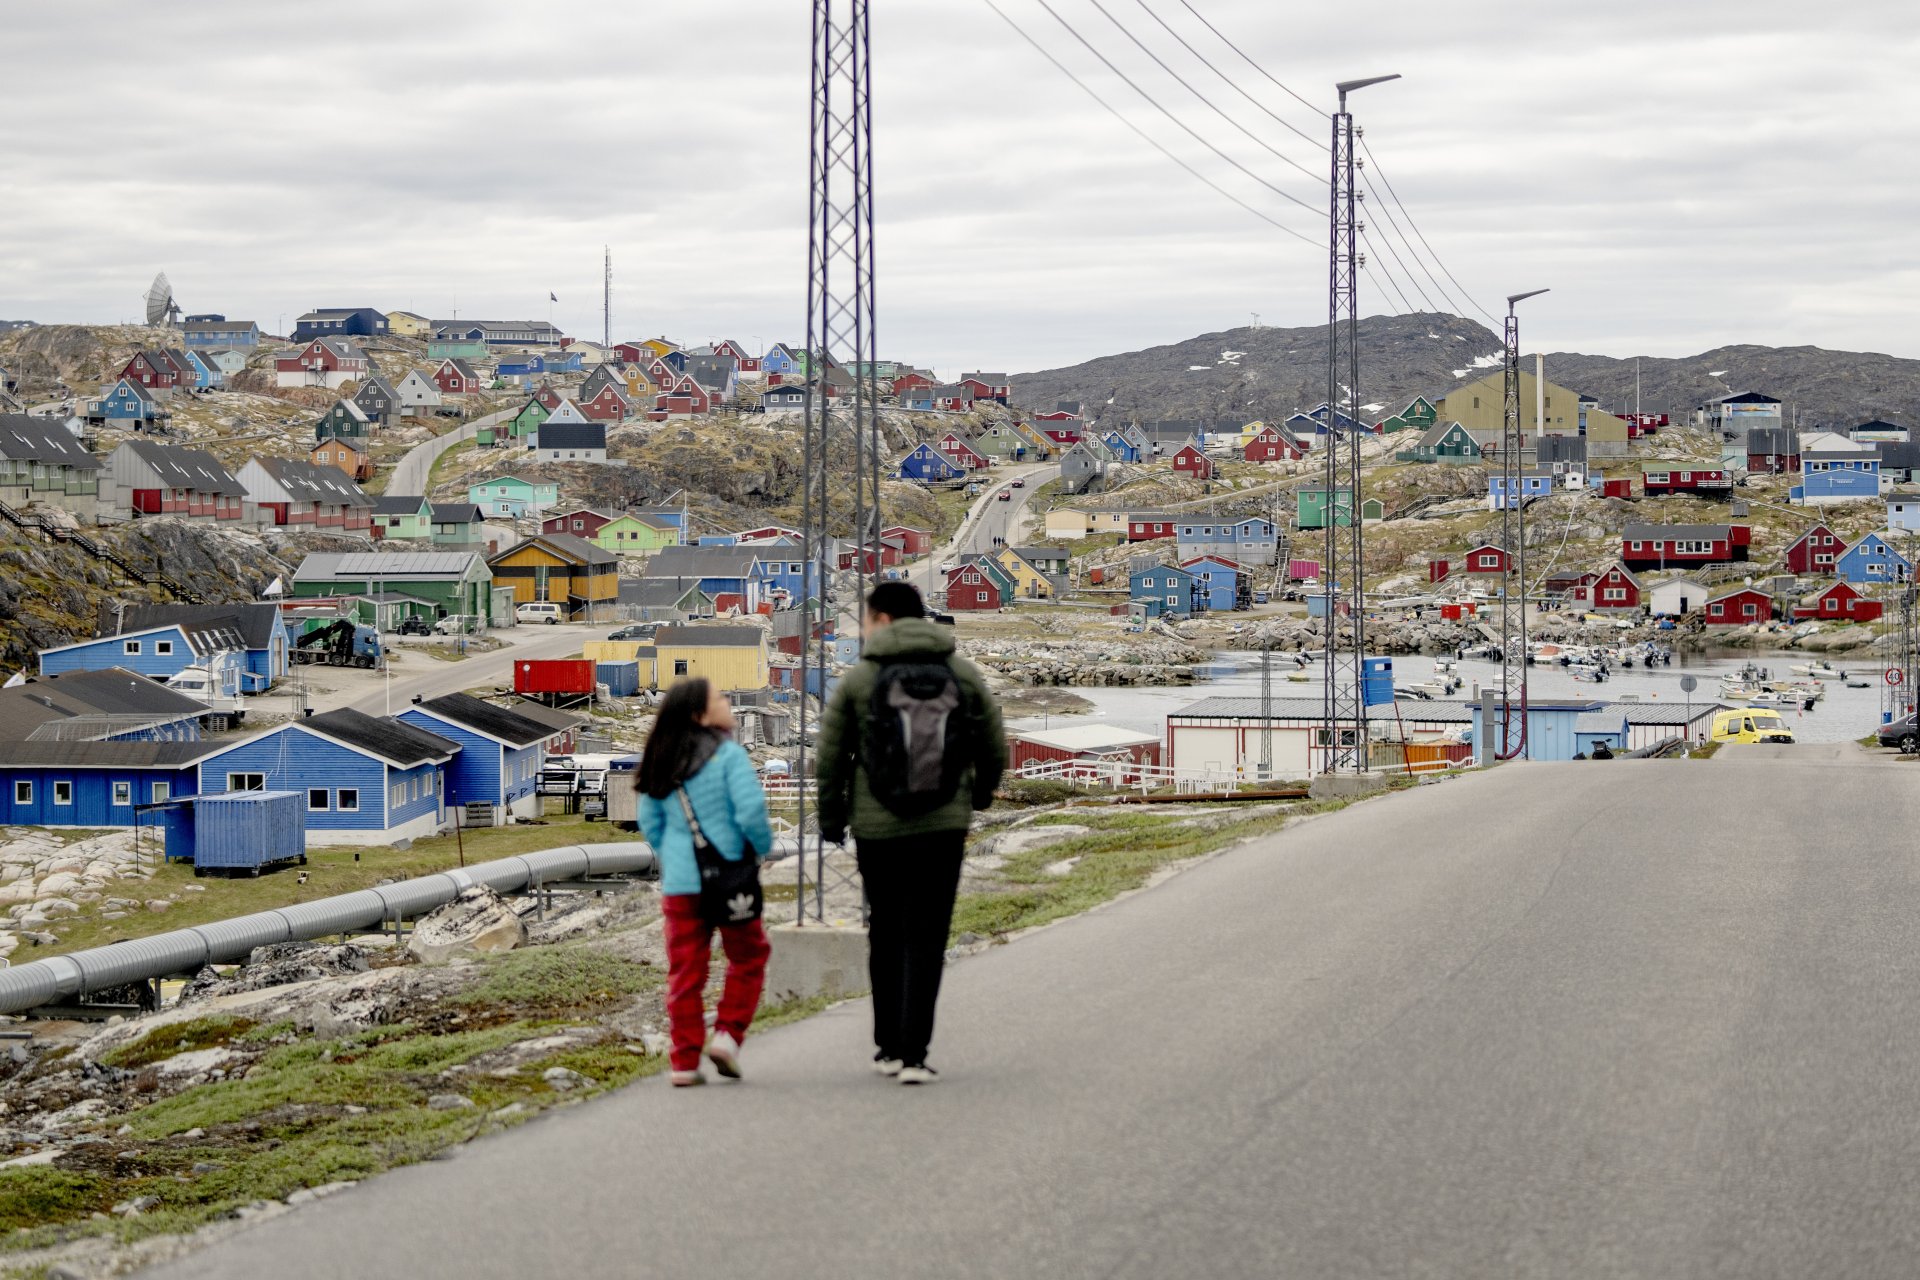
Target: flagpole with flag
x: 550, y: 301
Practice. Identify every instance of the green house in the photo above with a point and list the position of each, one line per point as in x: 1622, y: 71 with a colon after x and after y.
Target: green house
x: 998, y: 441
x: 453, y: 582
x: 402, y: 517
x: 1447, y: 442
x: 528, y: 420
x: 511, y: 496
x: 1372, y: 509
x: 631, y: 535
x: 1393, y: 423
x: 1312, y: 510
x: 458, y: 526
x: 457, y: 349
x: 1420, y: 414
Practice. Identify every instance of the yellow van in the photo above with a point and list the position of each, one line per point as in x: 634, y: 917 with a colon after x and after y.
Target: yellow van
x: 1751, y: 724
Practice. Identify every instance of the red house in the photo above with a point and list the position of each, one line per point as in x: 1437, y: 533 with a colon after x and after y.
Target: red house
x: 969, y: 588
x: 1621, y: 488
x: 1814, y: 551
x: 914, y: 542
x: 987, y: 386
x: 683, y: 398
x: 1485, y: 558
x: 1615, y: 591
x: 1839, y: 603
x: 605, y: 405
x: 1065, y: 434
x: 152, y: 370
x: 1145, y: 526
x: 327, y: 361
x: 960, y: 453
x: 1058, y: 416
x: 456, y: 377
x: 581, y: 522
x: 744, y: 362
x: 1683, y: 546
x: 767, y: 533
x: 911, y: 381
x: 632, y: 353
x: 549, y: 398
x: 1574, y: 588
x: 1101, y: 747
x: 1270, y: 444
x: 1191, y: 462
x: 1704, y: 484
x: 1738, y: 608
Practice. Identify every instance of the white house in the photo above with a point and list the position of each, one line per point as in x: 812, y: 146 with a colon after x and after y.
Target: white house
x: 1904, y: 513
x: 1677, y: 596
x: 417, y: 396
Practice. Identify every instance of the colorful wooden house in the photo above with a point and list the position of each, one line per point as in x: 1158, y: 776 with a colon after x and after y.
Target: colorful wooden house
x: 417, y: 396
x: 378, y: 400
x: 1160, y: 590
x: 925, y: 462
x: 969, y: 587
x: 581, y: 522
x: 960, y: 451
x: 1485, y: 559
x: 153, y: 479
x: 564, y: 570
x: 1715, y: 483
x: 346, y: 454
x: 127, y: 401
x: 297, y: 494
x: 1841, y: 602
x: 512, y: 496
x: 1029, y: 583
x: 1615, y: 591
x: 1814, y: 551
x: 1273, y: 444
x: 608, y: 404
x: 322, y: 362
x: 1872, y: 559
x: 152, y: 370
x: 343, y: 420
x: 631, y: 534
x: 1189, y: 461
x: 1216, y: 583
x: 1447, y: 442
x: 455, y: 377
x: 402, y: 517
x: 1739, y: 607
x: 1683, y: 546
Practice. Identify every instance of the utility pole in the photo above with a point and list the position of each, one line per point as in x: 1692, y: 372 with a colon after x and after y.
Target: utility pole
x: 606, y: 301
x: 840, y: 443
x: 1513, y: 540
x: 1344, y: 580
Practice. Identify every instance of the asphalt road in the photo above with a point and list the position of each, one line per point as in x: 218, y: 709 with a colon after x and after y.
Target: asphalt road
x: 1651, y: 1019
x: 495, y: 667
x: 411, y: 472
x: 987, y: 519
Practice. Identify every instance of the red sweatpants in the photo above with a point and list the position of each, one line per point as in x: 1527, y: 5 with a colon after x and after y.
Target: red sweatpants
x: 689, y: 944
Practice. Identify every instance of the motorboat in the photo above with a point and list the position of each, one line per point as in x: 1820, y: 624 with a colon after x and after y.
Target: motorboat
x: 1770, y: 698
x: 1854, y: 681
x: 1736, y: 691
x: 1819, y: 670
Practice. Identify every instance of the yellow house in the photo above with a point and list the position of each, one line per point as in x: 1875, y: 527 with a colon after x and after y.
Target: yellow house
x: 1062, y: 523
x: 1028, y: 581
x: 405, y: 324
x: 1247, y: 433
x: 733, y: 658
x: 659, y: 346
x: 564, y: 570
x: 640, y: 388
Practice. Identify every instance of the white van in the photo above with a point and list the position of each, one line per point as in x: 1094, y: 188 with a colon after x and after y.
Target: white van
x: 548, y: 613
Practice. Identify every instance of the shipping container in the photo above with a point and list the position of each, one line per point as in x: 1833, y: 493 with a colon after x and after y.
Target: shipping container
x: 553, y: 675
x: 1616, y: 488
x: 236, y: 830
x: 621, y: 678
x: 1097, y: 575
x: 1449, y: 613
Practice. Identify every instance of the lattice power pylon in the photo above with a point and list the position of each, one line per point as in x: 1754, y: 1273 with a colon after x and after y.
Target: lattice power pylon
x: 1513, y: 541
x: 1344, y: 575
x: 840, y: 497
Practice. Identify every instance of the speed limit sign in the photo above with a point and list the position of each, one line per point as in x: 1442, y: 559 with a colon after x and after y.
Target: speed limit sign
x: 1895, y: 675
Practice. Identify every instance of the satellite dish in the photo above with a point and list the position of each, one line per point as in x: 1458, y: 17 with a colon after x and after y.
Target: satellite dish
x: 161, y: 308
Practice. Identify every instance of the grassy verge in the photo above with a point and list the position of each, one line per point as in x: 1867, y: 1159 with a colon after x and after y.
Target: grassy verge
x: 441, y: 463
x: 329, y: 871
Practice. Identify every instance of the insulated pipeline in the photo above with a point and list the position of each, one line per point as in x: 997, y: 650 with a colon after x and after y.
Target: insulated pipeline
x: 227, y: 941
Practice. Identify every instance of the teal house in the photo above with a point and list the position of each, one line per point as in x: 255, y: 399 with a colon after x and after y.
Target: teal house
x: 511, y: 496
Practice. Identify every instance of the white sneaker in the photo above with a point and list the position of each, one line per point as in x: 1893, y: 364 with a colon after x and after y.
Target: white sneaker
x: 684, y: 1079
x: 921, y: 1074
x: 724, y: 1052
x: 888, y: 1067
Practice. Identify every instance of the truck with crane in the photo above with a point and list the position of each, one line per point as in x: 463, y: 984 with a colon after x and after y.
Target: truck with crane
x: 343, y: 643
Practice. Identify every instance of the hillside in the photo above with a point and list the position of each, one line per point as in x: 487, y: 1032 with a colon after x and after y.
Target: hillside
x: 1246, y: 373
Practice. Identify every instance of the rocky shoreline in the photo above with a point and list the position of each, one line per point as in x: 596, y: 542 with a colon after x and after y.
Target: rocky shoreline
x: 1141, y: 660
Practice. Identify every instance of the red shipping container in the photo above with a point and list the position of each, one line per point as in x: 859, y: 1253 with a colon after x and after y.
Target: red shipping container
x: 1097, y: 575
x: 1616, y: 488
x: 553, y: 675
x: 1450, y: 613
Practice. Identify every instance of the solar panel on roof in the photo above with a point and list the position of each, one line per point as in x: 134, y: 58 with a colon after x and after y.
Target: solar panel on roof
x: 371, y: 563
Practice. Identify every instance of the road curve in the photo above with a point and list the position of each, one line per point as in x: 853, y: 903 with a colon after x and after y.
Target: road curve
x: 1639, y: 1018
x: 985, y: 520
x: 411, y: 472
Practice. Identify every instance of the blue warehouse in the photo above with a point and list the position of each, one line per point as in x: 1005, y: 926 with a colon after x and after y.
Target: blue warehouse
x: 500, y: 753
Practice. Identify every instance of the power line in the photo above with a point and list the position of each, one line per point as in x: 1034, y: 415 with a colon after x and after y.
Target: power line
x: 1257, y: 139
x: 1282, y: 121
x: 1146, y: 137
x: 1441, y: 289
x: 1368, y: 268
x: 1368, y: 238
x: 1155, y: 103
x: 1423, y: 239
x: 1250, y: 62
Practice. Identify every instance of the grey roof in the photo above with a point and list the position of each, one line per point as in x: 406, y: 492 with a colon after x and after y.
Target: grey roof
x: 573, y: 435
x: 253, y: 621
x: 399, y: 504
x: 567, y: 546
x: 377, y: 384
x: 1662, y: 532
x: 1044, y: 553
x: 392, y: 740
x: 708, y: 636
x: 310, y: 482
x: 462, y: 368
x: 323, y: 566
x: 1605, y: 720
x: 105, y: 755
x: 112, y: 692
x: 1440, y: 711
x: 700, y: 562
x: 457, y: 513
x: 1776, y: 440
x: 182, y: 468
x: 484, y: 717
x: 28, y: 439
x: 1899, y: 455
x: 657, y: 592
x: 555, y: 721
x: 711, y: 371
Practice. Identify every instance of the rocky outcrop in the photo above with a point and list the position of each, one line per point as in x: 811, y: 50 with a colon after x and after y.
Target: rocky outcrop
x: 476, y: 921
x: 1140, y: 660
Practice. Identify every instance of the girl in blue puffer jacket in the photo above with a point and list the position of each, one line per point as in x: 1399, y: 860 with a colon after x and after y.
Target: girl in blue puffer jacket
x: 692, y: 746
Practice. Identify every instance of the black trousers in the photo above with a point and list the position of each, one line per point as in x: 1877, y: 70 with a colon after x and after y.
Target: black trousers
x: 911, y: 883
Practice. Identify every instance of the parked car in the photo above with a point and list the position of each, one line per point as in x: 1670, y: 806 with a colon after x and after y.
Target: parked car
x: 1903, y: 733
x: 457, y: 624
x: 414, y: 625
x: 638, y: 631
x: 538, y: 611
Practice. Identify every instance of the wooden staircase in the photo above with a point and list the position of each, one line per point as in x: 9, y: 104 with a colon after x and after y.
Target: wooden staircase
x: 55, y: 532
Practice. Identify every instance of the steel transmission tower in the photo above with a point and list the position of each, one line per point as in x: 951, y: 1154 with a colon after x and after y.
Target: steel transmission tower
x: 1344, y: 578
x: 1513, y: 540
x: 840, y: 495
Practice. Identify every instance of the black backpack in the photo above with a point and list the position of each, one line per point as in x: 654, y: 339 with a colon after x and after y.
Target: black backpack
x: 918, y: 737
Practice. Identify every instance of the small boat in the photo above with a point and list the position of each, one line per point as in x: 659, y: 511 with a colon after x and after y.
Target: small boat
x: 1858, y: 682
x: 1820, y: 670
x: 1770, y: 698
x: 1300, y: 677
x: 1736, y: 691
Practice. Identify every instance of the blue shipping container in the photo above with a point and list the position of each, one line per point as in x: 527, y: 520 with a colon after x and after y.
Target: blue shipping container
x: 1376, y: 681
x: 248, y: 829
x: 621, y: 678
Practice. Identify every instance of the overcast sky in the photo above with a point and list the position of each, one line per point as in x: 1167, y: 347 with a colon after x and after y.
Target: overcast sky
x: 1682, y: 175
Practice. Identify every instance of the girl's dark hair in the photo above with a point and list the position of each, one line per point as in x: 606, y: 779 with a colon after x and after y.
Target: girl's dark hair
x: 676, y: 735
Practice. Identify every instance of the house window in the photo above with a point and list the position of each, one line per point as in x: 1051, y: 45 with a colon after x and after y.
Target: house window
x: 63, y: 793
x: 161, y: 792
x: 347, y: 800
x: 122, y: 793
x: 131, y: 648
x: 163, y: 648
x: 680, y: 666
x: 246, y: 782
x: 1172, y: 600
x: 317, y: 799
x: 23, y: 793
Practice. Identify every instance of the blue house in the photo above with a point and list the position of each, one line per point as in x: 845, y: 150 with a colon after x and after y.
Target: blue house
x: 1872, y: 559
x: 1164, y: 590
x: 127, y: 401
x: 262, y: 628
x: 92, y: 784
x: 1532, y: 485
x: 780, y: 359
x: 1123, y: 446
x: 1833, y: 469
x: 1216, y: 583
x: 1553, y: 726
x: 1314, y: 422
x: 1253, y: 540
x: 206, y: 374
x: 521, y: 366
x: 563, y: 361
x: 216, y: 332
x: 1606, y: 725
x: 161, y: 640
x: 925, y: 462
x: 500, y: 752
x: 365, y: 777
x: 340, y: 322
x: 774, y: 573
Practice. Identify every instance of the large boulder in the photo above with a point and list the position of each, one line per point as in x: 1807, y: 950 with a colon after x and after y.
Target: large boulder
x: 477, y: 920
x: 278, y: 965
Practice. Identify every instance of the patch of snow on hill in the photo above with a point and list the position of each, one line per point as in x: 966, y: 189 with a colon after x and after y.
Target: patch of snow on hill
x: 1198, y: 368
x: 1228, y: 357
x: 1721, y: 374
x: 1371, y: 408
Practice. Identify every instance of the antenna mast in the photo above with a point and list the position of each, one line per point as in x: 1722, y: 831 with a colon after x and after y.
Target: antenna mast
x: 606, y: 302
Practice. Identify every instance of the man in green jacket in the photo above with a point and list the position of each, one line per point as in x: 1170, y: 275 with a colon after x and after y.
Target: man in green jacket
x: 910, y: 865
